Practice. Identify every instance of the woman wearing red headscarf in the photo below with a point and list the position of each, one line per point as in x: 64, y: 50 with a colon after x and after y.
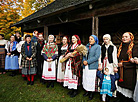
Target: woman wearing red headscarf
x: 73, y: 66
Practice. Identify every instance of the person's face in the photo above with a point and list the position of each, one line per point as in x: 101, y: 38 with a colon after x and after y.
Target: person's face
x: 50, y: 39
x: 91, y: 40
x: 28, y: 39
x: 36, y: 33
x: 1, y: 37
x: 17, y: 34
x: 12, y: 38
x: 74, y: 39
x: 40, y: 37
x: 106, y: 40
x: 126, y: 38
x: 64, y: 40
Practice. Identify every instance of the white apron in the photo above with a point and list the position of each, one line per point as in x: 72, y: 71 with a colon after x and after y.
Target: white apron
x: 89, y: 77
x: 71, y: 81
x: 60, y: 73
x: 49, y: 74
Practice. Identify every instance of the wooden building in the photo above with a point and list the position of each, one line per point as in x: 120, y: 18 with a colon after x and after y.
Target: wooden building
x: 84, y: 17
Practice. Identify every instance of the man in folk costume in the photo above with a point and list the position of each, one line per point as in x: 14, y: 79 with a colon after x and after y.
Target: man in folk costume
x: 127, y: 68
x: 90, y: 66
x: 2, y: 54
x: 40, y: 60
x: 73, y: 67
x: 50, y: 52
x: 61, y: 66
x: 11, y: 60
x: 28, y: 51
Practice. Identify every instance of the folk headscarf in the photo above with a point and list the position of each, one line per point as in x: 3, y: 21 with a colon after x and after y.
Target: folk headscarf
x: 78, y: 38
x: 130, y: 47
x: 95, y: 38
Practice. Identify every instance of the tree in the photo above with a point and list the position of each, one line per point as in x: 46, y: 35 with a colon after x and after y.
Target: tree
x: 9, y: 14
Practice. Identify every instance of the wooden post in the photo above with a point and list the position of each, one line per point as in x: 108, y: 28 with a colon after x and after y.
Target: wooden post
x: 95, y: 23
x: 45, y: 32
x: 22, y: 33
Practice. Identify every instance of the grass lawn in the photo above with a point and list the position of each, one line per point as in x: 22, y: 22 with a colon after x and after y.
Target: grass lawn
x: 15, y: 89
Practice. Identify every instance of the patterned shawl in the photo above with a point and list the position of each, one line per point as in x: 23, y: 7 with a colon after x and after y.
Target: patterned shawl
x: 50, y: 49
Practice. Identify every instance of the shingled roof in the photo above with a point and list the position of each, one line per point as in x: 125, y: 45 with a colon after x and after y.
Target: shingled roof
x: 57, y: 5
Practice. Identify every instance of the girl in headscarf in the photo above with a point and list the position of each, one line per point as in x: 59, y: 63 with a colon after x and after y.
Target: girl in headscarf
x: 90, y: 66
x: 61, y: 66
x: 50, y: 52
x: 11, y: 60
x: 2, y: 54
x: 28, y: 62
x: 73, y: 67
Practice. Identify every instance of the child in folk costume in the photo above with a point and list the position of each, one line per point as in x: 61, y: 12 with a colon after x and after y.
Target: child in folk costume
x: 73, y: 67
x: 28, y: 62
x: 11, y: 60
x: 50, y: 52
x: 90, y: 66
x: 61, y: 66
x: 2, y: 54
x: 107, y: 83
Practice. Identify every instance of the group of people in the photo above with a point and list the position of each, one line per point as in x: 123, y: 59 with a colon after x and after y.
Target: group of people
x: 103, y: 69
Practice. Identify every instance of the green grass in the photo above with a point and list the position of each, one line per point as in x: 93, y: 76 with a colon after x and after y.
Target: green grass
x: 15, y: 89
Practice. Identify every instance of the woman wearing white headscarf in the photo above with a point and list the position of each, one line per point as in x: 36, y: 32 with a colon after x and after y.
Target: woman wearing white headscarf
x: 50, y: 52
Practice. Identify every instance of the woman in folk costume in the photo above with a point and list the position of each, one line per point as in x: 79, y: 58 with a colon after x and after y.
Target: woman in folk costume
x: 11, y: 60
x: 40, y: 60
x: 19, y: 46
x: 2, y: 54
x: 108, y: 54
x: 50, y: 52
x: 61, y: 66
x: 90, y: 66
x: 28, y: 62
x: 127, y: 68
x: 73, y: 67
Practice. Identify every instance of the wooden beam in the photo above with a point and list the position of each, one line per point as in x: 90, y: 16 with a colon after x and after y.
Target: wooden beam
x: 45, y: 32
x: 95, y: 23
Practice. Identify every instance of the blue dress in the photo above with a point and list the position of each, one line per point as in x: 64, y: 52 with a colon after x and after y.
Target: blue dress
x: 11, y: 62
x: 106, y: 86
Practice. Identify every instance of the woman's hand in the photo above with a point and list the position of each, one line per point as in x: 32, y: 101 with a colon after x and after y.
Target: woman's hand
x: 100, y: 67
x: 9, y: 54
x: 132, y: 60
x: 120, y: 64
x: 115, y: 69
x: 85, y: 63
x: 27, y: 58
x: 30, y: 59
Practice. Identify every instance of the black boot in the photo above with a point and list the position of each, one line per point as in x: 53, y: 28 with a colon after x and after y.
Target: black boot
x: 70, y: 92
x: 48, y: 84
x: 91, y: 95
x: 107, y: 99
x: 29, y: 82
x: 52, y: 84
x: 86, y: 94
x: 74, y: 93
x: 101, y: 98
x: 32, y: 82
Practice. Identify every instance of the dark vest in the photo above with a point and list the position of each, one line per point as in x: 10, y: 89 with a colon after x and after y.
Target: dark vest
x: 109, y: 53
